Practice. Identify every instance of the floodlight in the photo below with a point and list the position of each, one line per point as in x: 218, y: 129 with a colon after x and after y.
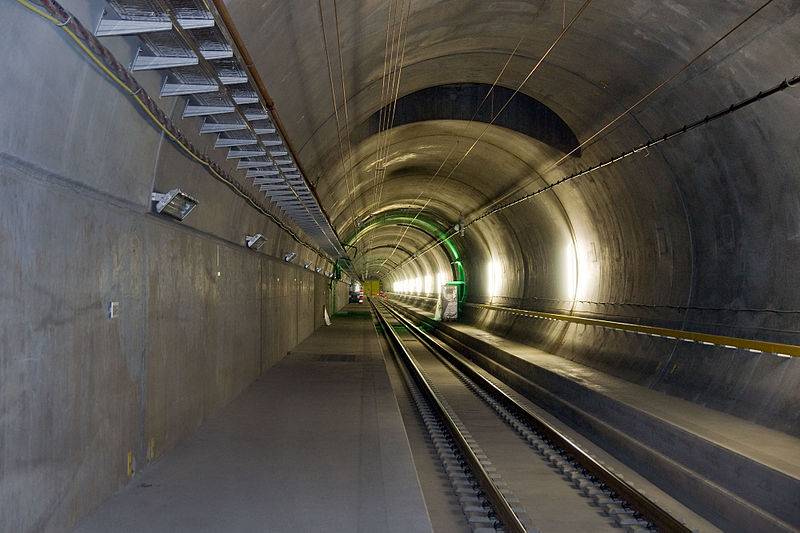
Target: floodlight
x: 289, y: 256
x: 174, y: 203
x: 256, y: 241
x: 307, y: 265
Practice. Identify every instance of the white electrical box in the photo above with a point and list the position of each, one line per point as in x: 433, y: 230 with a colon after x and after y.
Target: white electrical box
x: 449, y: 302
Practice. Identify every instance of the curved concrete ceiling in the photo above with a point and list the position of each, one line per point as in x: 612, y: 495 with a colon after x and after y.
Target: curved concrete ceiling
x: 706, y: 220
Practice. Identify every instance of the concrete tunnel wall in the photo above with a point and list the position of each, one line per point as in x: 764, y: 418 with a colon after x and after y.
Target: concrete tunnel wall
x: 200, y: 315
x: 699, y: 233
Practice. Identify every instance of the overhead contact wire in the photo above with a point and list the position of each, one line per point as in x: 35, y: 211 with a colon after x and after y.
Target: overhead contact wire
x: 384, y: 125
x: 381, y: 113
x: 613, y: 160
x: 393, y: 111
x: 396, y: 53
x: 344, y: 98
x: 785, y: 84
x: 642, y: 99
x: 560, y: 36
x: 390, y: 124
x: 336, y: 113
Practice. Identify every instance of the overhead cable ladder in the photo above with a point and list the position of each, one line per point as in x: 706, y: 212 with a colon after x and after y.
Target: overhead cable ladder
x: 185, y: 40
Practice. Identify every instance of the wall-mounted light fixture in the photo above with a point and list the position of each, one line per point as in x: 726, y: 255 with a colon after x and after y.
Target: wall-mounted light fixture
x: 174, y: 203
x: 255, y: 242
x: 327, y: 273
x: 307, y: 265
x: 319, y: 269
x: 289, y: 256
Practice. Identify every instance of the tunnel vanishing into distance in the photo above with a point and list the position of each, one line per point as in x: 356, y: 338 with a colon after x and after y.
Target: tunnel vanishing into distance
x: 627, y: 161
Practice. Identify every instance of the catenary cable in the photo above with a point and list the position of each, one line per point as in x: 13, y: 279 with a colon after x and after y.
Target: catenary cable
x: 336, y: 115
x: 491, y: 211
x: 558, y: 38
x: 785, y: 84
x: 630, y: 108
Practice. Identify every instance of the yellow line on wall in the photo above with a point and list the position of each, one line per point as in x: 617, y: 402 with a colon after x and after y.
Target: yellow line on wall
x: 667, y: 333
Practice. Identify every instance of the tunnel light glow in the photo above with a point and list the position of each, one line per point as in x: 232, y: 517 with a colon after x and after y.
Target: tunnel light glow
x: 428, y: 284
x: 404, y: 285
x: 440, y: 280
x: 494, y: 277
x: 418, y: 285
x: 571, y: 272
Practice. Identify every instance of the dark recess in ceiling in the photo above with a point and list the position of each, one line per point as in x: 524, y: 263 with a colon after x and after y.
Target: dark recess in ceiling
x: 458, y: 101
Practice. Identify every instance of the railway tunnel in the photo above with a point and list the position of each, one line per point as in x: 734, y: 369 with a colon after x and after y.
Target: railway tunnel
x: 193, y: 188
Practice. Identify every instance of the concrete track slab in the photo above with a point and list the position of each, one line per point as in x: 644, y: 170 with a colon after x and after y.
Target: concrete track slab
x: 316, y: 444
x: 758, y: 465
x: 761, y: 444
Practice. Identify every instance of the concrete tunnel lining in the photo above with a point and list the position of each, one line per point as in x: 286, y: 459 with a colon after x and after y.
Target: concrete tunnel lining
x: 701, y: 233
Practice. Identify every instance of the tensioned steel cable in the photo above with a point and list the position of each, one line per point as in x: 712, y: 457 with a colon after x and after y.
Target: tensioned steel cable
x: 560, y: 36
x: 785, y: 84
x: 489, y: 93
x: 491, y: 211
x: 344, y: 96
x: 398, y: 68
x: 638, y: 102
x: 386, y: 84
x: 388, y: 75
x: 336, y: 114
x: 392, y: 87
x: 388, y: 110
x: 386, y: 60
x: 396, y: 93
x: 387, y: 54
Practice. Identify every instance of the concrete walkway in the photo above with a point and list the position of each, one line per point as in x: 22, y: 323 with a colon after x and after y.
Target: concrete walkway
x: 316, y: 444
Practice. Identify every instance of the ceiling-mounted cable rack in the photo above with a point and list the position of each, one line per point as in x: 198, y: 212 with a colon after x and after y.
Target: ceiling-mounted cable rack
x: 185, y: 40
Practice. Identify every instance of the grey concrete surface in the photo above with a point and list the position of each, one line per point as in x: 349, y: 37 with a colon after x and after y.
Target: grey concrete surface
x: 315, y: 444
x: 734, y: 473
x: 80, y: 390
x: 700, y: 232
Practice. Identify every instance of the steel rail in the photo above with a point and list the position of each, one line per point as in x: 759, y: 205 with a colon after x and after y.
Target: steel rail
x: 511, y: 522
x: 646, y: 507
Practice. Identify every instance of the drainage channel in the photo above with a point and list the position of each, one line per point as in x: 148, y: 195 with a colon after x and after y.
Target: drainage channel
x: 552, y: 478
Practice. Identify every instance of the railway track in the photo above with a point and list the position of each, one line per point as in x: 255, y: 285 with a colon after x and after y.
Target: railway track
x: 511, y: 470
